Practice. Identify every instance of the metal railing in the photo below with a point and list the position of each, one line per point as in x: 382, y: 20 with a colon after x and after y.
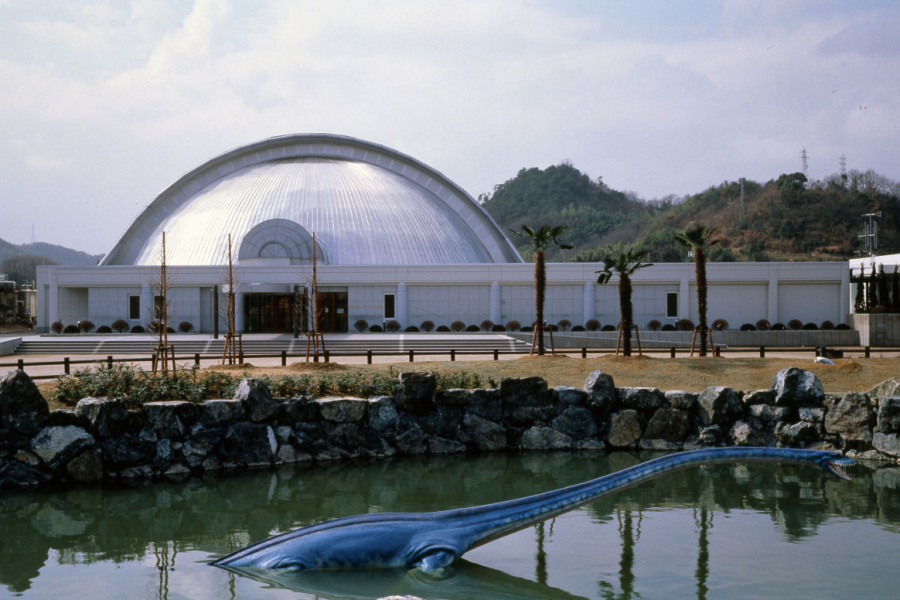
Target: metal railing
x: 188, y: 361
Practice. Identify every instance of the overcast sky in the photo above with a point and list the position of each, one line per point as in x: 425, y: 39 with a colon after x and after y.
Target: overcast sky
x: 104, y: 104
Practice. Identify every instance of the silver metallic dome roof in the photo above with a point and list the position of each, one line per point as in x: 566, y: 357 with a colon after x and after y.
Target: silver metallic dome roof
x: 366, y: 205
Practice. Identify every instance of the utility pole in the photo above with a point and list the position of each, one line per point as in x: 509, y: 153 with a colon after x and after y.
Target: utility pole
x: 843, y: 163
x: 869, y: 232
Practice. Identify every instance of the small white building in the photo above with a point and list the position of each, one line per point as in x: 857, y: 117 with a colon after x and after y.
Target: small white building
x: 393, y: 240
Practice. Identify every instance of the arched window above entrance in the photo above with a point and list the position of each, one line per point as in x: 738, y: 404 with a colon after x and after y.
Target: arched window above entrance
x: 280, y: 240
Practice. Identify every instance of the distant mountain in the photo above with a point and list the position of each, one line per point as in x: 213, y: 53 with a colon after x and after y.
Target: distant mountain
x: 784, y: 219
x: 58, y: 254
x: 61, y: 254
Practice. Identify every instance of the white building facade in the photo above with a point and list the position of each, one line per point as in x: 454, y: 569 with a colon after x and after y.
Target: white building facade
x: 392, y: 240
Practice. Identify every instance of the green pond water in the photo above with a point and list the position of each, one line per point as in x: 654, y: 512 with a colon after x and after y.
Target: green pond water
x: 728, y: 531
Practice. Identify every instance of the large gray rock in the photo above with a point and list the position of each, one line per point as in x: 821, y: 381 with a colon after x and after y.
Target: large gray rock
x: 642, y: 399
x: 576, y: 422
x: 482, y: 434
x: 852, y: 418
x: 541, y: 437
x: 86, y: 467
x: 257, y: 399
x: 220, y: 413
x: 202, y: 443
x: 382, y: 414
x: 127, y: 450
x: 670, y: 424
x: 343, y: 410
x: 487, y: 404
x: 885, y: 389
x: 797, y: 387
x: 15, y: 475
x: 348, y: 436
x: 624, y: 429
x: 812, y: 414
x: 796, y: 435
x: 108, y: 416
x: 171, y: 419
x: 298, y: 408
x: 55, y: 446
x: 769, y: 413
x: 743, y: 433
x: 453, y: 397
x: 565, y: 395
x: 889, y: 415
x: 248, y: 444
x: 526, y: 400
x: 308, y: 437
x: 601, y: 391
x: 686, y: 401
x: 757, y: 397
x: 22, y: 408
x: 719, y: 406
x: 888, y: 443
x: 412, y: 441
x: 415, y: 392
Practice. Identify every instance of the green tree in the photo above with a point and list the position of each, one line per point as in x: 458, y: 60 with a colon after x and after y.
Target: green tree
x: 791, y: 186
x: 540, y: 238
x: 624, y: 261
x: 698, y: 238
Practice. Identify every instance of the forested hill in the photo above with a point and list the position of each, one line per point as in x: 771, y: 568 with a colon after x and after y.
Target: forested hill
x: 19, y: 262
x: 787, y: 218
x: 563, y: 195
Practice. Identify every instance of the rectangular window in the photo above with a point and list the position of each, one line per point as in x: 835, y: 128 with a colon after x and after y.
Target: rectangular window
x: 134, y: 308
x: 390, y: 306
x: 672, y: 305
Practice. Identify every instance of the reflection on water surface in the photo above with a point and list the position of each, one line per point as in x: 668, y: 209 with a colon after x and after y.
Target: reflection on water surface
x: 723, y: 531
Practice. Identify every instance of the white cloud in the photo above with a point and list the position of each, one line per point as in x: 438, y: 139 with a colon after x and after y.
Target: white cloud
x: 106, y: 104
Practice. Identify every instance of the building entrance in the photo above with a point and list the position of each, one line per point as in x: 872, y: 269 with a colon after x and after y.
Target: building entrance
x: 274, y: 313
x: 332, y: 312
x: 268, y: 313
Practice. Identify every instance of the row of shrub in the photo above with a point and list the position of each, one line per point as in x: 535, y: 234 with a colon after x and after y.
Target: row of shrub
x: 393, y: 326
x: 119, y: 326
x: 136, y: 386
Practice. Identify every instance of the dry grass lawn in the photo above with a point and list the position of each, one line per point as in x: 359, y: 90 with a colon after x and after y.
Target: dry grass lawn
x: 689, y: 374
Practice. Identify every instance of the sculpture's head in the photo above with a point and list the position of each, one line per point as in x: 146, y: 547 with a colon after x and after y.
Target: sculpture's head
x: 834, y: 463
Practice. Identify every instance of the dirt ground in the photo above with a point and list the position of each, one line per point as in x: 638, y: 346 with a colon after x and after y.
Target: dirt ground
x: 689, y: 374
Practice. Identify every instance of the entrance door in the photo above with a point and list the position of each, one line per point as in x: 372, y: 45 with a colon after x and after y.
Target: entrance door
x: 268, y: 313
x: 332, y: 307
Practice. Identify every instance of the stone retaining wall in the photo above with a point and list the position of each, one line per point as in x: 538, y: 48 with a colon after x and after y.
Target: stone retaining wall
x: 102, y: 439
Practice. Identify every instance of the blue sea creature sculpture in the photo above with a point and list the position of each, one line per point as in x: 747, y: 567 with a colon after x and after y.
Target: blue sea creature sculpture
x: 433, y: 540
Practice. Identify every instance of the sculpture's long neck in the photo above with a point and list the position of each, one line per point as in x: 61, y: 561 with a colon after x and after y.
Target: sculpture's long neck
x: 491, y: 521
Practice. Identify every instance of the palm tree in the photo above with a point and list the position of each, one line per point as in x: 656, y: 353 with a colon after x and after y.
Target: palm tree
x: 697, y: 238
x: 540, y: 238
x: 624, y: 261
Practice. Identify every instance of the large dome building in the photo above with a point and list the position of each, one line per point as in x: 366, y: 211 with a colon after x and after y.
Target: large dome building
x: 393, y: 240
x: 366, y: 205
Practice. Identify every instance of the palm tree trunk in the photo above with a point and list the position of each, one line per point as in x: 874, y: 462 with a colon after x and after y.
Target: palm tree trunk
x: 540, y: 283
x: 625, y: 308
x: 700, y: 268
